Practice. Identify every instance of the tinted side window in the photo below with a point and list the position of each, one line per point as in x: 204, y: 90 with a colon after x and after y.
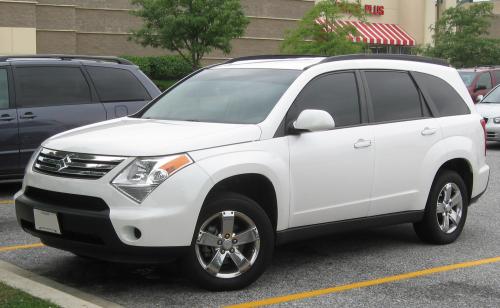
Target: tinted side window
x: 4, y: 90
x: 50, y: 86
x: 115, y: 85
x: 484, y: 81
x: 497, y: 76
x: 334, y: 93
x: 447, y: 101
x: 394, y: 96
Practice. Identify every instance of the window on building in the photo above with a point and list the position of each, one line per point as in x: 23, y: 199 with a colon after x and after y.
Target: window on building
x: 50, y: 86
x: 394, y: 96
x: 4, y: 90
x: 335, y: 93
x: 447, y: 101
x: 117, y: 85
x: 484, y: 81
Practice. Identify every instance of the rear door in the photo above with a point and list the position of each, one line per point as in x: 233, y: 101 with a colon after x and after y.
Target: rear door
x: 51, y: 99
x: 9, y: 141
x: 404, y: 131
x: 118, y: 89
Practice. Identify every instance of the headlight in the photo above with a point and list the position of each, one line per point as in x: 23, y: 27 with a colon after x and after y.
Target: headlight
x: 496, y: 120
x: 144, y: 174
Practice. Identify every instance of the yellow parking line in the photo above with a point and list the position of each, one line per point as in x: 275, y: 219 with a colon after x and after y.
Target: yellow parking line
x: 364, y: 284
x: 6, y: 201
x: 28, y: 246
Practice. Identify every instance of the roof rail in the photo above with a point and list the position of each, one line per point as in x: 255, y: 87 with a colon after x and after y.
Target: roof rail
x: 68, y: 57
x: 386, y: 57
x: 270, y: 57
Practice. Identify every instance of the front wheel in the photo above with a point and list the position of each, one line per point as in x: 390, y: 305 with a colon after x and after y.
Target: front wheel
x: 233, y: 243
x: 446, y: 209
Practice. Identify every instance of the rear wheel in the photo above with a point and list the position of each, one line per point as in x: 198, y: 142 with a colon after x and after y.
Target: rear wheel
x: 233, y: 243
x: 446, y: 209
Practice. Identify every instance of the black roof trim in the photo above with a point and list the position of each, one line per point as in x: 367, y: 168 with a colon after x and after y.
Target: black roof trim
x: 68, y: 57
x: 271, y: 57
x: 386, y: 57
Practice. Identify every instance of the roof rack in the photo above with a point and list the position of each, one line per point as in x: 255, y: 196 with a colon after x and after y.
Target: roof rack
x: 270, y: 57
x: 386, y: 57
x: 68, y: 57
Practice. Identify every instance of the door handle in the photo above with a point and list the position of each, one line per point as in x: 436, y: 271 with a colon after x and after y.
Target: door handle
x: 362, y: 143
x: 6, y: 117
x: 429, y: 131
x: 28, y: 115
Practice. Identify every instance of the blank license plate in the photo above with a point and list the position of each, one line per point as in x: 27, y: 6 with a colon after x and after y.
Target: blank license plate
x: 46, y: 221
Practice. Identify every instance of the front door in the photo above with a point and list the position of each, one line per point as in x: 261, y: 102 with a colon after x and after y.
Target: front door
x: 9, y: 142
x: 331, y: 171
x: 50, y: 100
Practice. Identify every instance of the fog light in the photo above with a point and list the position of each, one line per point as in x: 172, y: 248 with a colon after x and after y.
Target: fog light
x: 137, y: 233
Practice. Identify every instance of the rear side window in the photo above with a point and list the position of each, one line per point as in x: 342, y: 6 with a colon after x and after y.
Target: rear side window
x: 4, y: 90
x: 50, y: 86
x: 335, y: 93
x: 447, y: 101
x: 394, y: 96
x: 117, y: 85
x: 484, y: 81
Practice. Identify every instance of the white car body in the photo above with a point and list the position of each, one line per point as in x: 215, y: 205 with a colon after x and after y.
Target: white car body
x: 322, y: 177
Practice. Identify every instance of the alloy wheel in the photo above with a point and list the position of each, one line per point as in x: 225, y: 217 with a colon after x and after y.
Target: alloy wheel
x: 449, y: 208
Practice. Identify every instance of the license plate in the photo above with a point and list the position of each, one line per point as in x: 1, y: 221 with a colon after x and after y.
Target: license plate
x: 46, y: 221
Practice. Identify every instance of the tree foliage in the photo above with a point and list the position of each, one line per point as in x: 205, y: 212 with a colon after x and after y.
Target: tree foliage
x: 325, y: 39
x: 192, y: 28
x: 460, y: 36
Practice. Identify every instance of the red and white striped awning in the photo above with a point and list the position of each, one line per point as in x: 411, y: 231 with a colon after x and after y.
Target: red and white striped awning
x: 374, y: 33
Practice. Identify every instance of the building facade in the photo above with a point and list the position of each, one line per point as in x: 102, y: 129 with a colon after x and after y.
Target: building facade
x: 102, y: 27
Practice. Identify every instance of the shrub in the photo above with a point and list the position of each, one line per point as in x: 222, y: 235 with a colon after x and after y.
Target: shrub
x: 162, y: 67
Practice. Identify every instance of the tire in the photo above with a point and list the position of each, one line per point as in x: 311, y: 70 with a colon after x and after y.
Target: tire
x: 433, y: 228
x: 257, y: 249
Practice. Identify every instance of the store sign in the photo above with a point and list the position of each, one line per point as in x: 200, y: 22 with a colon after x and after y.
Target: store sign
x: 376, y: 10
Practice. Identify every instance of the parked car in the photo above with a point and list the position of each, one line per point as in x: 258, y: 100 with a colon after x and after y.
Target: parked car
x: 480, y: 80
x: 489, y: 108
x: 261, y: 151
x: 43, y: 95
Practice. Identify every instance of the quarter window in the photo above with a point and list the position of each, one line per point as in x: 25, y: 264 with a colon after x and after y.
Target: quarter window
x: 394, y: 96
x: 117, y: 85
x: 335, y: 93
x: 4, y: 90
x: 50, y: 86
x: 447, y: 101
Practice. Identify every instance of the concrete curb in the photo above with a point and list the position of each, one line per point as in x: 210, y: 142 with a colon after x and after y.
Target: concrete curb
x: 47, y: 289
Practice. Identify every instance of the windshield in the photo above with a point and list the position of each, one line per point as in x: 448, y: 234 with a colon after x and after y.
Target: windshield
x: 239, y: 96
x: 467, y: 77
x: 493, y: 97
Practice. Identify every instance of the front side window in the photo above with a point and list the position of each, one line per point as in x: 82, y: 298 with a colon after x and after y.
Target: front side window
x: 447, y: 101
x: 50, y: 86
x: 117, y: 85
x: 335, y: 93
x: 4, y: 90
x: 484, y: 81
x: 240, y: 96
x: 394, y: 96
x: 497, y: 76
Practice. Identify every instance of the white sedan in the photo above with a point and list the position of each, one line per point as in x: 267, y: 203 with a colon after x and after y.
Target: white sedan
x: 489, y: 108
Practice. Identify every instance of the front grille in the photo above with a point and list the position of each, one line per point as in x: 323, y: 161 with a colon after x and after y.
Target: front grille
x: 491, y: 135
x: 75, y: 165
x: 65, y: 200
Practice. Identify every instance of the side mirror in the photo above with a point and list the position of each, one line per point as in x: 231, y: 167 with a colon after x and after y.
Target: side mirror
x: 479, y: 98
x: 311, y: 120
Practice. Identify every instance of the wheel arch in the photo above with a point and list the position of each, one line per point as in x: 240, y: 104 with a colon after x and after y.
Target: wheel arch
x: 463, y: 167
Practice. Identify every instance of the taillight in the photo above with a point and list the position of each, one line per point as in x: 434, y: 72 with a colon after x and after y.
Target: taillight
x: 483, y: 124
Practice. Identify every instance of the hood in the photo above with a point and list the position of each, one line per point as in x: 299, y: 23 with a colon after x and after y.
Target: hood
x: 145, y: 137
x: 488, y: 110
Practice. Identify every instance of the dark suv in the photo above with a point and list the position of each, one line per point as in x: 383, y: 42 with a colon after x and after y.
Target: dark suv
x: 43, y: 95
x: 480, y: 80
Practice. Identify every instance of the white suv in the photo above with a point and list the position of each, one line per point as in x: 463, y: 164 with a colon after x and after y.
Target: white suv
x: 260, y: 151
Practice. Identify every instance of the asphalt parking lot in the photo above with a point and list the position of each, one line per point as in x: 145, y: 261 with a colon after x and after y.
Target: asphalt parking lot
x: 345, y: 259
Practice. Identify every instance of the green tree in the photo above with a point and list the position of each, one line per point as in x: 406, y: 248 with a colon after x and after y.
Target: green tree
x: 192, y: 28
x: 460, y: 36
x: 325, y: 39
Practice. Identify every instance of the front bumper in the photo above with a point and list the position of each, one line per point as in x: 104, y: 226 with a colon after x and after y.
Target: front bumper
x: 492, y: 131
x: 86, y: 228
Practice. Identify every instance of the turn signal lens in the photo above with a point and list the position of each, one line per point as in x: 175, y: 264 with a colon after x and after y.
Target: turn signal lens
x: 144, y: 174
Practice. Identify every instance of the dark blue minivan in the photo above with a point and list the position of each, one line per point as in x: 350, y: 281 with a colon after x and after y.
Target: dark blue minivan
x: 43, y: 95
